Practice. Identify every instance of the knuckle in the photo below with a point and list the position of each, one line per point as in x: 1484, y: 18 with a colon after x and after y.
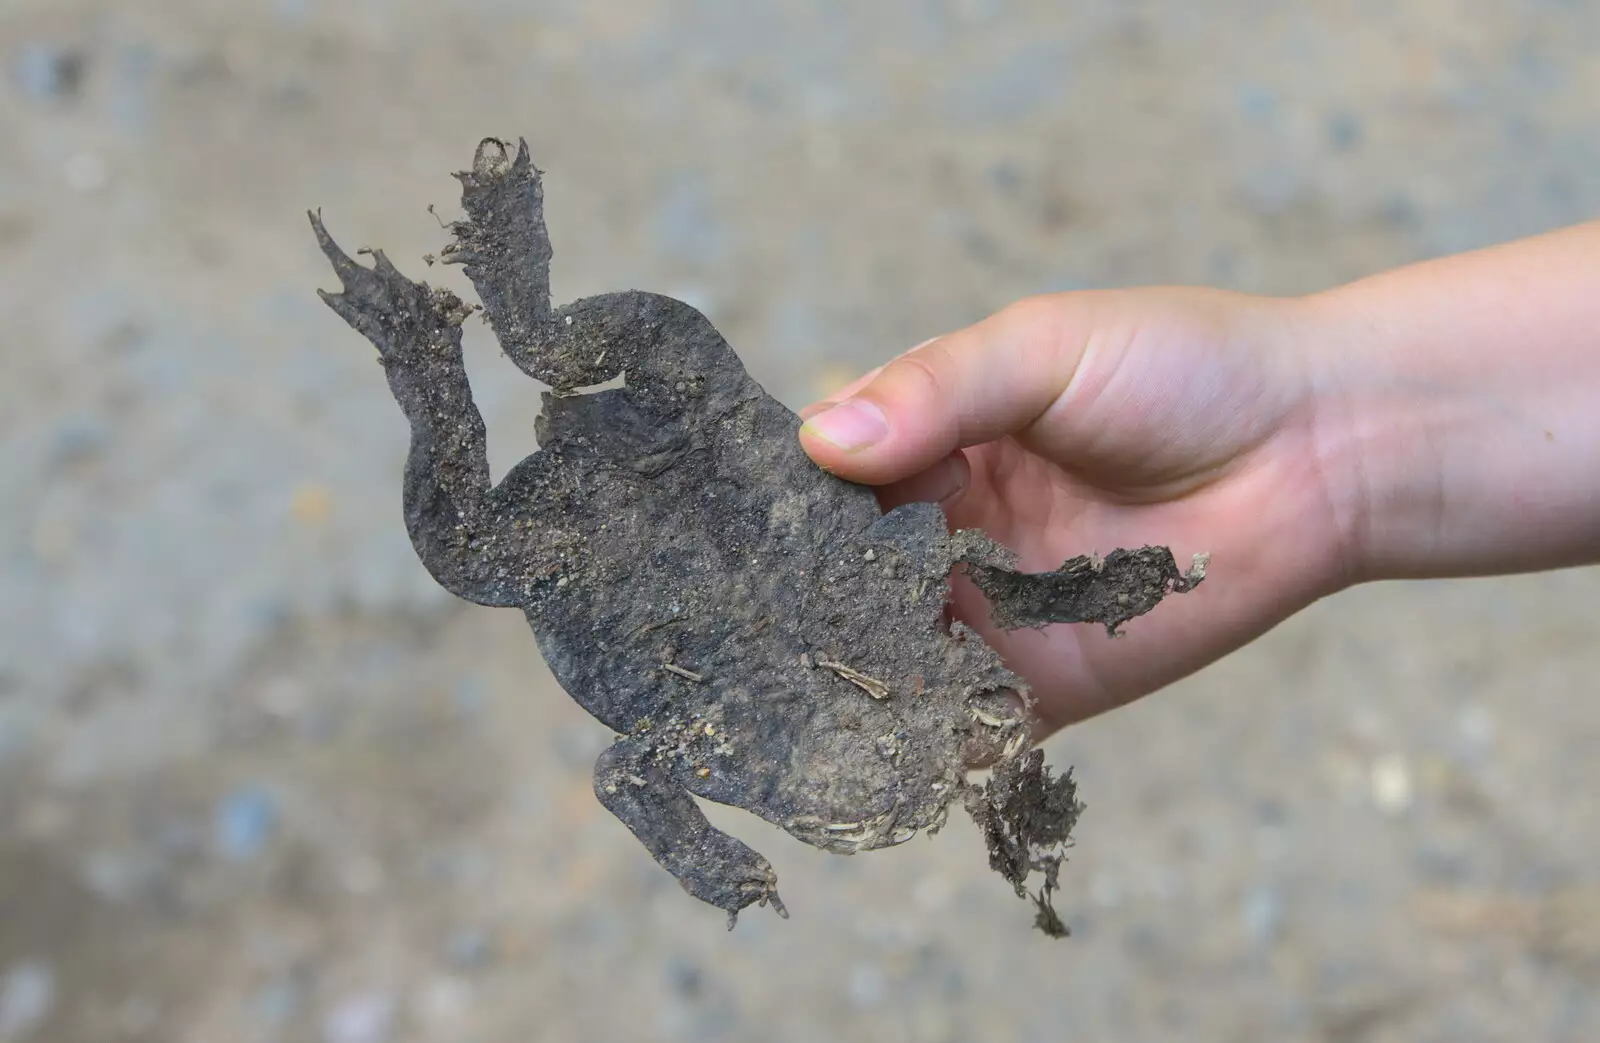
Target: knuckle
x: 928, y: 369
x: 1029, y: 315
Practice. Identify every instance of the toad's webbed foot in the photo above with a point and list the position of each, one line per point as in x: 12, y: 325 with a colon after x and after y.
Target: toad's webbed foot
x: 411, y: 324
x: 505, y: 247
x: 1026, y: 815
x: 1086, y: 589
x: 710, y: 865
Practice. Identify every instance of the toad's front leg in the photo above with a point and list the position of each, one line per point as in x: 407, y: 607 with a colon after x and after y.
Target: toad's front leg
x: 710, y: 865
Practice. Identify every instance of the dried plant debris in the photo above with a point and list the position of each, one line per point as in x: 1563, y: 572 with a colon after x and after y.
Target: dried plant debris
x: 752, y: 628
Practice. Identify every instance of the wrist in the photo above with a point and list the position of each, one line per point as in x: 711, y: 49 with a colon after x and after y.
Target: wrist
x: 1325, y: 437
x: 1366, y: 443
x: 1387, y: 409
x: 1454, y: 417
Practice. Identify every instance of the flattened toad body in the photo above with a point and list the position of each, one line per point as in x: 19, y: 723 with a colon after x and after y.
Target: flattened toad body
x: 754, y: 631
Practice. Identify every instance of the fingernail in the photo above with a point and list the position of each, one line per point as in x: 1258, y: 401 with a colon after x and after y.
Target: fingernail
x: 852, y: 426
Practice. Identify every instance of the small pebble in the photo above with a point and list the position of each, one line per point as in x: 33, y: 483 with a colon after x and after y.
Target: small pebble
x: 977, y: 11
x: 445, y: 999
x: 1256, y: 102
x: 1392, y: 789
x: 78, y: 440
x: 1006, y: 177
x: 283, y: 697
x: 1105, y: 889
x: 120, y: 876
x: 27, y: 995
x: 1476, y: 726
x: 685, y: 977
x: 53, y: 540
x: 138, y: 1016
x: 276, y: 1002
x: 868, y: 985
x: 311, y: 504
x: 933, y: 893
x: 469, y: 948
x: 244, y: 823
x: 1344, y: 131
x: 360, y: 875
x: 86, y: 172
x: 48, y: 72
x: 367, y: 1018
x: 1262, y: 914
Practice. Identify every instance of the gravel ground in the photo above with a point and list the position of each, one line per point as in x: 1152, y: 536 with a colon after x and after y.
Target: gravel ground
x: 261, y: 781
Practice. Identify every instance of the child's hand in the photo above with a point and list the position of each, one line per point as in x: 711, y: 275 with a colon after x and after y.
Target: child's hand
x: 1437, y: 420
x: 1089, y: 421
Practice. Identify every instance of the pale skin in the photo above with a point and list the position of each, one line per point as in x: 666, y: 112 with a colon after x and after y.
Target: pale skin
x: 1438, y: 420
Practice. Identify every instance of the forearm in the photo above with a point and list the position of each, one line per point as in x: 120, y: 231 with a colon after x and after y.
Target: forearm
x: 1458, y: 409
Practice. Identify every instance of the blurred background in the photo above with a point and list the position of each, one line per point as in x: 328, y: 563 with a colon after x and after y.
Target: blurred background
x: 260, y: 780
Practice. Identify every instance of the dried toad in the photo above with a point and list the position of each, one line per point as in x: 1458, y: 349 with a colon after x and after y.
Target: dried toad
x: 753, y: 629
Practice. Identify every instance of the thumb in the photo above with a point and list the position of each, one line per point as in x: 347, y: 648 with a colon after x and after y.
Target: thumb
x: 981, y: 383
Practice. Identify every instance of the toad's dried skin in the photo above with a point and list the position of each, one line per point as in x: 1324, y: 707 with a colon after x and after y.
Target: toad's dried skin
x: 1027, y: 816
x: 752, y: 628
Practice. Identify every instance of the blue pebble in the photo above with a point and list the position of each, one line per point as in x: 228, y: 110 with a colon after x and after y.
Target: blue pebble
x: 245, y: 822
x: 277, y: 1002
x: 469, y: 949
x: 79, y: 439
x: 1263, y: 914
x: 1256, y: 102
x: 1272, y: 188
x: 48, y: 72
x: 1029, y: 79
x: 1006, y: 177
x: 685, y: 977
x: 1344, y: 130
x: 132, y: 102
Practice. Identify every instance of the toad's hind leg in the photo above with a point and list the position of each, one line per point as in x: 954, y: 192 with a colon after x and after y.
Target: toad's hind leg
x: 464, y: 535
x: 663, y: 347
x: 710, y: 865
